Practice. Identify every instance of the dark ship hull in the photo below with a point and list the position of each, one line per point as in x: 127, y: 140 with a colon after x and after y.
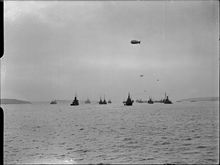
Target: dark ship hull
x: 74, y: 103
x: 168, y: 102
x: 103, y: 102
x: 128, y: 103
x: 150, y: 102
x: 53, y: 102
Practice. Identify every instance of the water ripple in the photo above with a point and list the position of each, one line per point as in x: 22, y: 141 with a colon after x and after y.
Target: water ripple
x: 140, y: 134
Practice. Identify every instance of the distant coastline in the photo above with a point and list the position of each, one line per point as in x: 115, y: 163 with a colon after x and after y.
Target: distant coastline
x: 14, y: 101
x: 198, y: 99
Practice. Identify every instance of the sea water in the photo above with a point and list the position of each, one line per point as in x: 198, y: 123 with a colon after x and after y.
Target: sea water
x: 185, y: 132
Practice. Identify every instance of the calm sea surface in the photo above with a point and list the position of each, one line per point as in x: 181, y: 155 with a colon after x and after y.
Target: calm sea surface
x: 113, y: 133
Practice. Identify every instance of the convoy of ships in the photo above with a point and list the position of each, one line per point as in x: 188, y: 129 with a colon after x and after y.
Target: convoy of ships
x: 128, y: 102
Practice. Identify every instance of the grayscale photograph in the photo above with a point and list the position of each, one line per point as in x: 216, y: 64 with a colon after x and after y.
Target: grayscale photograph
x: 111, y: 82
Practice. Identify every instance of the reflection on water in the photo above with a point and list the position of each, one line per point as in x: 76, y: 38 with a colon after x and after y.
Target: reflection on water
x: 143, y: 133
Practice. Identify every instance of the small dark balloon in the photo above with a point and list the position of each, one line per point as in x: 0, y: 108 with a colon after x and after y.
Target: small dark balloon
x: 135, y: 42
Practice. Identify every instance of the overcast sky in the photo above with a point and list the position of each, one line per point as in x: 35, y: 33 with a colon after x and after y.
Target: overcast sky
x: 56, y: 49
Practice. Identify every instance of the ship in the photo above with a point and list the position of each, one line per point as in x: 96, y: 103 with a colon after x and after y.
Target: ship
x: 53, y: 102
x: 150, y: 101
x: 109, y: 101
x: 166, y: 100
x: 100, y: 101
x: 128, y: 102
x: 87, y: 101
x: 75, y: 102
x: 104, y: 101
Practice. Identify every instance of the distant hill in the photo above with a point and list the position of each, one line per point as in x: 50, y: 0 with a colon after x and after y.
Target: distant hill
x: 200, y: 99
x: 14, y: 101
